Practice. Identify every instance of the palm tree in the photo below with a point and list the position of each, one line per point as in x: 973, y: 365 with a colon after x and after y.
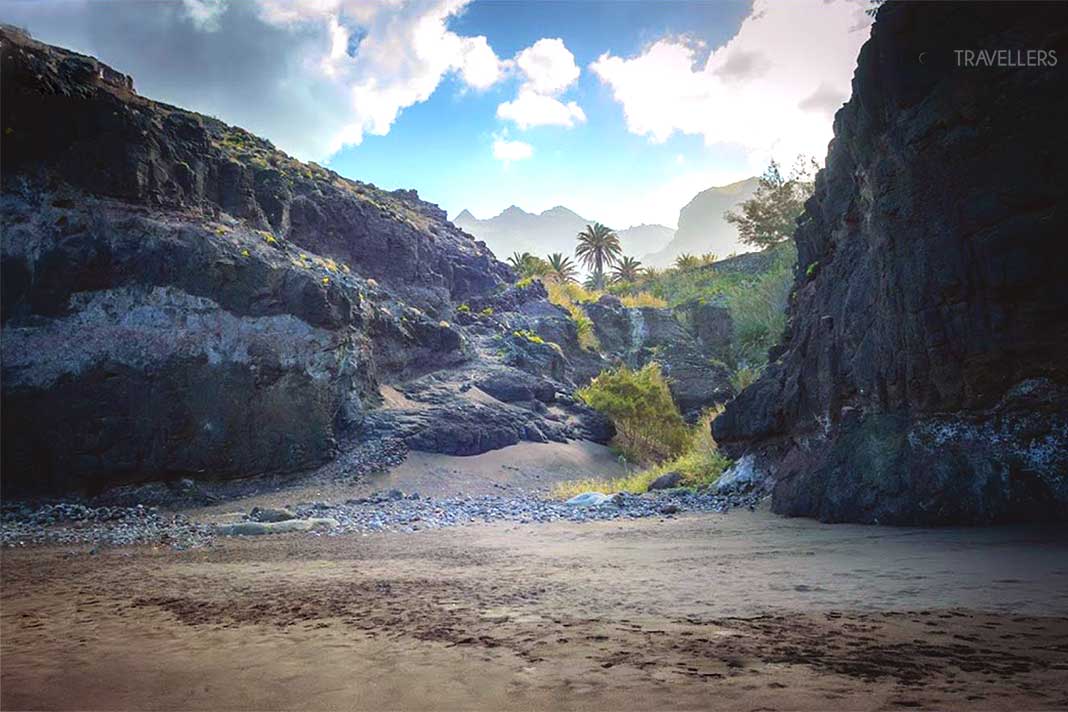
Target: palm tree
x: 519, y: 259
x: 627, y: 269
x: 561, y: 268
x: 527, y: 265
x: 686, y: 261
x: 598, y: 248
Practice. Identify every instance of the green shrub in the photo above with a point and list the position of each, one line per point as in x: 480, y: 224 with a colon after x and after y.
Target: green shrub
x: 487, y: 311
x: 648, y: 425
x: 643, y: 299
x: 744, y: 376
x: 701, y: 464
x: 570, y: 297
x: 529, y: 336
x: 463, y: 309
x: 758, y: 309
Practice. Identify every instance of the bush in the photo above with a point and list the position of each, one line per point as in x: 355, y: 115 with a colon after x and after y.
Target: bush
x: 648, y: 425
x: 758, y: 309
x: 700, y: 465
x: 643, y: 299
x: 569, y: 297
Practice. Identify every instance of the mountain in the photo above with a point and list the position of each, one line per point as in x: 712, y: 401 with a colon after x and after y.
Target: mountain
x: 702, y: 227
x: 553, y: 230
x: 923, y: 375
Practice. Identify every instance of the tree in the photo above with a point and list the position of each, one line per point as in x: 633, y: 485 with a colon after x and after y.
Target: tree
x: 598, y: 248
x: 770, y: 216
x: 627, y: 269
x: 561, y: 268
x: 686, y: 261
x: 527, y: 265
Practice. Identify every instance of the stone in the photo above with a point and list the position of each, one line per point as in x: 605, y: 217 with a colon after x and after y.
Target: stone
x: 268, y: 514
x: 589, y: 499
x: 669, y: 480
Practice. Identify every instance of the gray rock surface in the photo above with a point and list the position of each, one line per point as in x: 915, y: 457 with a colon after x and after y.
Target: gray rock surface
x: 922, y: 379
x: 182, y: 301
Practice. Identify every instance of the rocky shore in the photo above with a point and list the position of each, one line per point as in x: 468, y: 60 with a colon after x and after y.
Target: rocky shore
x: 23, y: 524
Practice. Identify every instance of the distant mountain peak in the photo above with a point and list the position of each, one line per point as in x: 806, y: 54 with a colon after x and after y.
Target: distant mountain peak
x: 465, y: 216
x: 512, y: 210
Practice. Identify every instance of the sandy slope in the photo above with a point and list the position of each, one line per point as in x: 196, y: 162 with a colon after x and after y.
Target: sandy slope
x: 738, y: 611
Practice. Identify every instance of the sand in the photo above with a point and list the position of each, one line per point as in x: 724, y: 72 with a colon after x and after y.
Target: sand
x: 737, y: 611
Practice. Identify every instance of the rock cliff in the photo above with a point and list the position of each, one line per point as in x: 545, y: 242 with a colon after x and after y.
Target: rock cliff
x: 923, y: 375
x: 182, y: 299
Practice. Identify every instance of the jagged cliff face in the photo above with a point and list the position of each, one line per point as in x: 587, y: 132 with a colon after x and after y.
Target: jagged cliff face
x: 923, y: 374
x: 181, y: 299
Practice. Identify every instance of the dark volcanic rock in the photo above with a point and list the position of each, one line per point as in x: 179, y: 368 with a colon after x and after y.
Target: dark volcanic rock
x: 182, y: 300
x: 923, y: 374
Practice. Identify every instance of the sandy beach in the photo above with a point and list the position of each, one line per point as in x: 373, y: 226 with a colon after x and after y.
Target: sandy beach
x: 736, y: 611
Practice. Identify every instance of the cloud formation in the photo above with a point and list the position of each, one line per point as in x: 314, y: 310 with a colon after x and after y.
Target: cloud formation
x: 508, y: 151
x: 769, y: 89
x: 312, y: 76
x: 548, y: 69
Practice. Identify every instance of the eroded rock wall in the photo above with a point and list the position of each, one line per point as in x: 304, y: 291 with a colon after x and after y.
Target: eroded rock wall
x: 922, y: 377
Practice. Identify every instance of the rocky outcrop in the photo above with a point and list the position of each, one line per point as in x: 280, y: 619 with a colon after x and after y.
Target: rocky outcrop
x: 922, y: 377
x: 181, y: 300
x: 689, y: 342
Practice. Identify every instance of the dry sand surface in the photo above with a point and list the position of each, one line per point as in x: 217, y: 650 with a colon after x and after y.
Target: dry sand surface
x: 739, y: 611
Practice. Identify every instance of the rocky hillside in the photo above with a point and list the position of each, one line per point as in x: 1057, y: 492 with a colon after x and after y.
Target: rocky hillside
x: 923, y: 375
x: 181, y: 299
x: 702, y: 227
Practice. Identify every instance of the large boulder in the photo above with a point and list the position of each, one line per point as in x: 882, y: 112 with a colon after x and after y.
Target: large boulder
x: 922, y: 378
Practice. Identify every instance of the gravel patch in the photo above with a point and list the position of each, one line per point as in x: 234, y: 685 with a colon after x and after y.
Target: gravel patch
x: 397, y: 512
x: 23, y: 524
x: 65, y: 523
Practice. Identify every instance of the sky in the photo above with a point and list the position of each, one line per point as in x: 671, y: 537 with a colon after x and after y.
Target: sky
x: 620, y: 110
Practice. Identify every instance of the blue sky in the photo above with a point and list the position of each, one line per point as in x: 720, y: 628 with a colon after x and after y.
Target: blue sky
x: 620, y: 110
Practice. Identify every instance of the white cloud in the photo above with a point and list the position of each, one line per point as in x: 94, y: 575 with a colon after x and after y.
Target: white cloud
x: 205, y: 13
x: 768, y: 89
x: 533, y: 109
x: 548, y: 68
x: 386, y: 56
x: 480, y: 67
x: 508, y: 151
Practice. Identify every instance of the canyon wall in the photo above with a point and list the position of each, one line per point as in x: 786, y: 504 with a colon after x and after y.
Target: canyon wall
x: 923, y: 375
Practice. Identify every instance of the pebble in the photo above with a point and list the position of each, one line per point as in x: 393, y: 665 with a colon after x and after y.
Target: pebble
x: 66, y: 523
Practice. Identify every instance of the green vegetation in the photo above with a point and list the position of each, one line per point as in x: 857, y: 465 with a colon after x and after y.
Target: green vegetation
x: 529, y: 336
x: 527, y: 265
x: 561, y: 268
x: 627, y: 269
x: 770, y: 216
x: 648, y: 425
x: 570, y: 296
x: 598, y: 248
x: 700, y: 464
x: 643, y: 299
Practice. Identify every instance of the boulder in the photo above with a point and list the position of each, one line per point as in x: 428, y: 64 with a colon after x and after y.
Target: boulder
x: 269, y: 514
x: 669, y: 480
x: 590, y: 499
x: 286, y: 527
